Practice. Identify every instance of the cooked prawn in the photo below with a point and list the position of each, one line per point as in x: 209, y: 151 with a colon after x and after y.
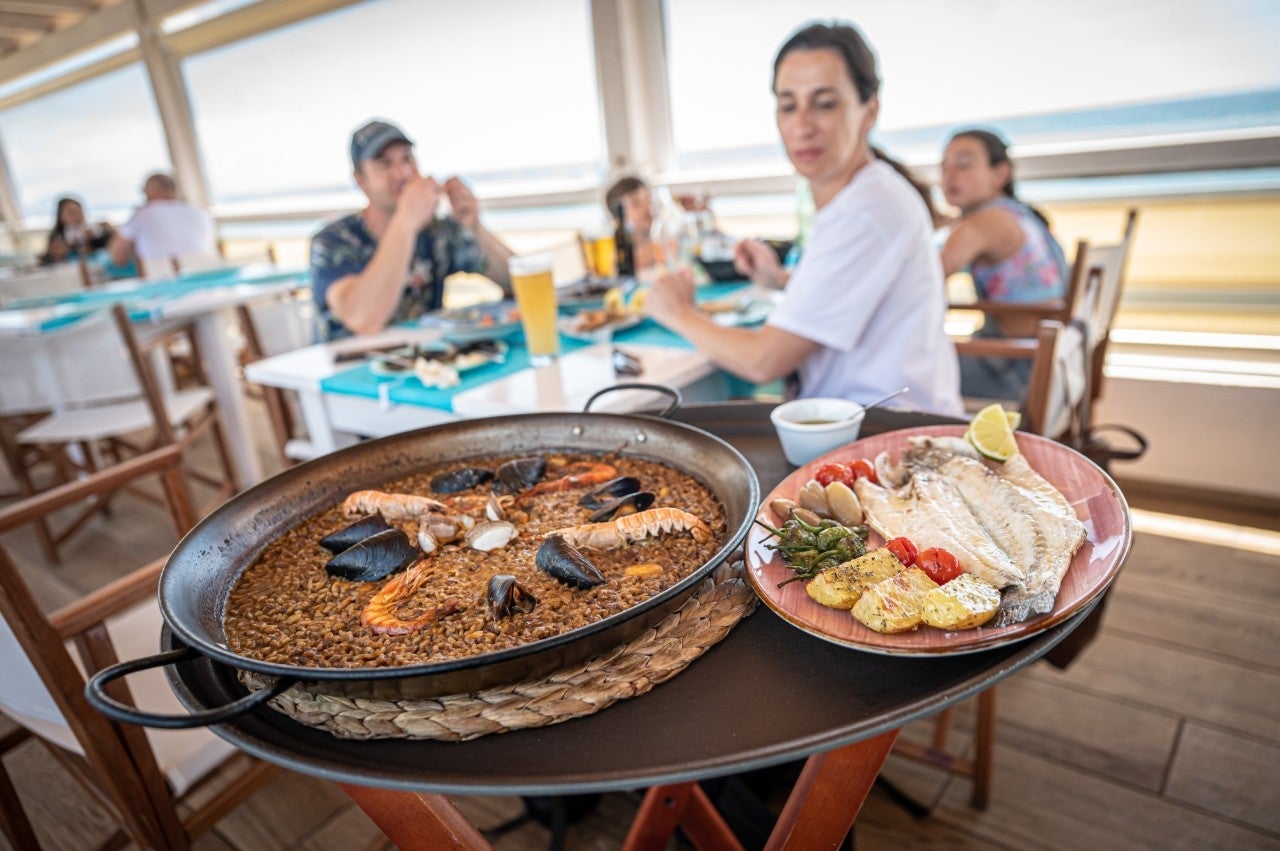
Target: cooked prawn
x: 380, y: 612
x: 580, y: 474
x: 635, y: 527
x: 392, y: 506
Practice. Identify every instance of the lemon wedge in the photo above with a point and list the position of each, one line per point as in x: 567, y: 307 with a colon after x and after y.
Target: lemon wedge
x: 991, y: 433
x: 613, y: 301
x: 637, y: 300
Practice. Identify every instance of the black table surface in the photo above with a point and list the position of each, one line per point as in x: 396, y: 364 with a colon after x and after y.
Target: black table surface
x: 766, y: 694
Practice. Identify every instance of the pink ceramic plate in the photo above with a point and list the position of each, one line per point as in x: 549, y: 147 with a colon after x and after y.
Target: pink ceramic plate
x: 1090, y: 491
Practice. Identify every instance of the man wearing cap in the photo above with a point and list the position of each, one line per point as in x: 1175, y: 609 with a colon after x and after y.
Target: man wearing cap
x: 387, y: 263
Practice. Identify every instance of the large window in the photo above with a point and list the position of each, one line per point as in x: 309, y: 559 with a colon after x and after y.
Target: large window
x: 501, y: 92
x: 97, y: 139
x: 1041, y: 70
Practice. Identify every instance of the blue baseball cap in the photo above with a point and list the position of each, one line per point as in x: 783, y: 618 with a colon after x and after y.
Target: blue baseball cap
x: 371, y: 139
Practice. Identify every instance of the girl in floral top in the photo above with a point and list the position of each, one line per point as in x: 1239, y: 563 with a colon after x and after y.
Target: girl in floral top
x: 1006, y: 247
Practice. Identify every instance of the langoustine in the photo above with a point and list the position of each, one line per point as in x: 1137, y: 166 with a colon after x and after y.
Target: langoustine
x: 635, y: 527
x: 380, y: 615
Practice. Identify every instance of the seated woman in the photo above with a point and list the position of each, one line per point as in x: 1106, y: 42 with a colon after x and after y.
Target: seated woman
x: 630, y: 196
x: 1006, y: 247
x: 72, y: 236
x: 862, y: 314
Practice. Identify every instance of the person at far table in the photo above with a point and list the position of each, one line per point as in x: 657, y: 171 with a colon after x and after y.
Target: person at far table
x: 387, y: 263
x: 72, y: 236
x: 163, y: 229
x: 862, y: 314
x: 630, y: 197
x: 1006, y: 247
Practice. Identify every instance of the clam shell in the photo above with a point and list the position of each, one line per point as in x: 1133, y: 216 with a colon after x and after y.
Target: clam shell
x: 491, y: 535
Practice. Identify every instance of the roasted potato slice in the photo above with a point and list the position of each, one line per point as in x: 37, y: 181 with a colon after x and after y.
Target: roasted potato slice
x: 963, y: 603
x: 894, y: 604
x: 840, y: 587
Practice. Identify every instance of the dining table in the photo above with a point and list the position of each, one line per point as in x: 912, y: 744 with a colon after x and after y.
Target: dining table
x: 207, y: 298
x: 343, y: 397
x: 768, y: 693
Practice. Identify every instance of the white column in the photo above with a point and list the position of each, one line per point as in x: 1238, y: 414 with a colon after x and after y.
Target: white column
x: 631, y: 72
x: 174, y: 105
x: 9, y: 199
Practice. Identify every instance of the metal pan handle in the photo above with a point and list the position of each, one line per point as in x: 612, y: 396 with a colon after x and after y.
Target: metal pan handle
x: 676, y: 399
x: 95, y: 693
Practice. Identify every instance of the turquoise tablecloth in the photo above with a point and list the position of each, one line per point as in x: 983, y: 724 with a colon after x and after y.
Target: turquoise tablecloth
x: 359, y: 380
x: 144, y: 298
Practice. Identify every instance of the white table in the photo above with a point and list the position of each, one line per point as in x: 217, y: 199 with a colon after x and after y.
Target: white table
x: 336, y: 420
x: 212, y: 310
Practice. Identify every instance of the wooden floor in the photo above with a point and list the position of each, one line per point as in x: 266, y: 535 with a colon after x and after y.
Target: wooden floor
x: 1164, y: 734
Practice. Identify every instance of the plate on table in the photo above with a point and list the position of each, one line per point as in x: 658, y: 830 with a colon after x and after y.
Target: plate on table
x: 495, y: 320
x: 589, y: 294
x: 747, y: 308
x: 597, y: 326
x: 1094, y: 496
x: 462, y: 357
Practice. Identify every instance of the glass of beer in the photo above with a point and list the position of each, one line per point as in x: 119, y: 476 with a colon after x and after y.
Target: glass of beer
x: 536, y: 297
x: 600, y: 253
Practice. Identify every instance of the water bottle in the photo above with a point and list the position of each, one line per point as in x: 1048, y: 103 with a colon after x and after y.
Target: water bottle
x: 673, y: 234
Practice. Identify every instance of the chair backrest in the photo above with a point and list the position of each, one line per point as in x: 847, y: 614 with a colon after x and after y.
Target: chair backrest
x: 85, y: 362
x: 273, y: 326
x: 1113, y: 260
x: 44, y: 681
x: 53, y: 280
x: 1058, y: 390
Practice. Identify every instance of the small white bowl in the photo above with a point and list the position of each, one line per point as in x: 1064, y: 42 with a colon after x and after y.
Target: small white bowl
x: 811, y: 427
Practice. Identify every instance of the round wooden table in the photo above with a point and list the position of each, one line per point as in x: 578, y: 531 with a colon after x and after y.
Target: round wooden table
x: 768, y: 693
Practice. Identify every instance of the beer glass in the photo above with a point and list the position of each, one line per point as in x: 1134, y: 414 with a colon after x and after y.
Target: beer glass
x: 536, y: 297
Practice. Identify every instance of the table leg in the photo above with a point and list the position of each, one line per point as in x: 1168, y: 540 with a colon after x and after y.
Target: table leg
x: 818, y: 814
x: 830, y: 792
x: 680, y: 805
x: 213, y: 333
x: 418, y: 821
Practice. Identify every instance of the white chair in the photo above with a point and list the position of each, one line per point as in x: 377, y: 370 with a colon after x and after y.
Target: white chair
x: 111, y: 400
x: 187, y: 264
x: 50, y: 280
x: 271, y: 327
x: 142, y: 776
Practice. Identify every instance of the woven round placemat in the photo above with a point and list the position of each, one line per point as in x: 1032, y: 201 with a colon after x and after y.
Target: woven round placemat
x: 653, y: 657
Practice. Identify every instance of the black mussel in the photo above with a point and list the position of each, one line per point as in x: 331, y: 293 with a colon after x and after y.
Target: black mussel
x: 374, y: 558
x: 505, y: 597
x: 623, y: 505
x: 519, y: 475
x: 346, y: 538
x: 461, y: 479
x: 610, y: 491
x: 562, y: 561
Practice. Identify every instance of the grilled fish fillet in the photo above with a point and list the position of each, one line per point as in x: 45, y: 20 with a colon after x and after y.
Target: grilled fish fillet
x: 1008, y: 525
x: 930, y: 510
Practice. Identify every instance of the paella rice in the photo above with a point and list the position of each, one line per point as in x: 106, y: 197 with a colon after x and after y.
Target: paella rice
x: 285, y: 608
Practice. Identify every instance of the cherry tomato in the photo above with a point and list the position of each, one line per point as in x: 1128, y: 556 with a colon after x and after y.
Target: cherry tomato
x: 833, y: 472
x: 903, y: 550
x: 864, y: 469
x: 941, y: 565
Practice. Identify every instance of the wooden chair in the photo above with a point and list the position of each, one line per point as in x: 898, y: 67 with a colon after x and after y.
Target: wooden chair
x: 1057, y: 399
x: 123, y: 405
x: 147, y: 779
x: 1112, y: 258
x: 271, y: 327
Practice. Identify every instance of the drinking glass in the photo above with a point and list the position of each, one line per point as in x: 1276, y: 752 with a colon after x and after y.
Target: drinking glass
x: 536, y: 297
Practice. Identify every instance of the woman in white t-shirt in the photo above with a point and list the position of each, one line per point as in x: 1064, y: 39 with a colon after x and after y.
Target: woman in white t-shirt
x: 862, y: 313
